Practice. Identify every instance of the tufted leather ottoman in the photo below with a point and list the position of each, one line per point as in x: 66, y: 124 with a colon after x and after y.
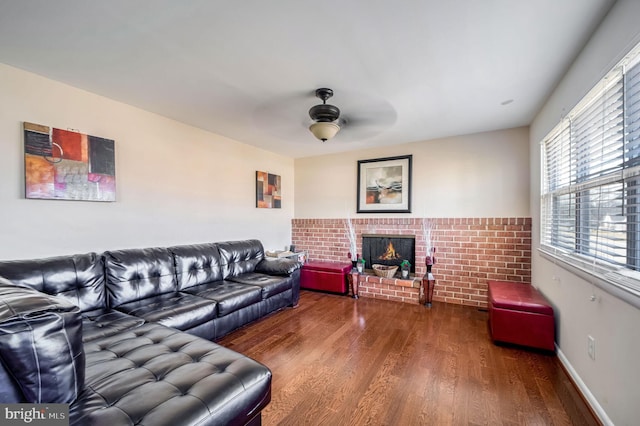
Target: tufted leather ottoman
x: 155, y: 375
x: 519, y: 314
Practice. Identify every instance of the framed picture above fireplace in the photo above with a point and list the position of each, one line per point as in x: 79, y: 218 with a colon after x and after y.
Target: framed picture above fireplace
x: 384, y: 185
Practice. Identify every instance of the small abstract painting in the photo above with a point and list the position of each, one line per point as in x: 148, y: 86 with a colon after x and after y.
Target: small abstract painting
x: 67, y: 165
x: 268, y: 191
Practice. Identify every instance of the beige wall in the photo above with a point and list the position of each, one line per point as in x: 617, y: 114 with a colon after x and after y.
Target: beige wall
x: 175, y: 184
x: 612, y: 380
x: 478, y: 175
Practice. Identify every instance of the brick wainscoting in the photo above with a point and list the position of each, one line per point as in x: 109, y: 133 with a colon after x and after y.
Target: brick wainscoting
x: 469, y: 251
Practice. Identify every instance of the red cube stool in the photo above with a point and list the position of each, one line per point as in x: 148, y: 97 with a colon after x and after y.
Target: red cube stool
x: 325, y: 276
x: 519, y: 314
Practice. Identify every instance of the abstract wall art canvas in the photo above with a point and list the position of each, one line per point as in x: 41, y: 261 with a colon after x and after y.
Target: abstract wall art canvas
x: 384, y: 185
x: 67, y: 165
x: 268, y: 188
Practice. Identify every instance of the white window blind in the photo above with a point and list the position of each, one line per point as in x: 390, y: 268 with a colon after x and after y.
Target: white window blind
x: 590, y: 200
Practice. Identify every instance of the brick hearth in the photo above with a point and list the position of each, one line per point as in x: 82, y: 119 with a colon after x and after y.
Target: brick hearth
x: 406, y: 291
x: 470, y: 251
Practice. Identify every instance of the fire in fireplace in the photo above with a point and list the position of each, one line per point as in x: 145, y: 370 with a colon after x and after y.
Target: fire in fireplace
x: 390, y: 253
x: 388, y: 250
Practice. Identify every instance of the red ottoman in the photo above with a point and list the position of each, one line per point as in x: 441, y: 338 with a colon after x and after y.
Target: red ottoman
x: 325, y: 276
x: 519, y: 314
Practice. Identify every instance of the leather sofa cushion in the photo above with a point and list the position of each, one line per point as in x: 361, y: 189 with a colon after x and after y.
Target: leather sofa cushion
x: 270, y: 284
x: 230, y: 296
x: 136, y: 274
x: 105, y: 323
x: 179, y: 310
x: 278, y: 266
x: 240, y: 257
x: 154, y: 375
x: 197, y: 264
x: 41, y: 344
x: 78, y: 278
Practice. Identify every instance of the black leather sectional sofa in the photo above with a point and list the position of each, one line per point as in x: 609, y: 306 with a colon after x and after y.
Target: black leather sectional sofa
x: 124, y: 337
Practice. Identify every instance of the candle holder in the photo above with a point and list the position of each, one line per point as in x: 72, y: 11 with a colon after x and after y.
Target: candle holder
x: 354, y: 282
x: 353, y: 276
x: 428, y: 282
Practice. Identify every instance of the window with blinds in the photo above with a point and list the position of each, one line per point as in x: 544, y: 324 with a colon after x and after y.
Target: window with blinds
x: 590, y: 201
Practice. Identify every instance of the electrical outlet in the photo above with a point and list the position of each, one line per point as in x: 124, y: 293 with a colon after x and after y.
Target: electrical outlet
x: 591, y: 347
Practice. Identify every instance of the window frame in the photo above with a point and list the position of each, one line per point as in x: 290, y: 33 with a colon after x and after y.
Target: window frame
x: 572, y: 245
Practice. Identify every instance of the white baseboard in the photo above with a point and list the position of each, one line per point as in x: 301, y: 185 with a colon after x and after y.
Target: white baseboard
x: 586, y: 393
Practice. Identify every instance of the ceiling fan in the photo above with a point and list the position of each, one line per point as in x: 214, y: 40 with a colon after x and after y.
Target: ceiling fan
x: 361, y: 116
x: 324, y: 116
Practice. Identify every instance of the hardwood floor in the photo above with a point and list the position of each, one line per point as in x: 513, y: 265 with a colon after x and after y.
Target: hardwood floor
x: 340, y: 361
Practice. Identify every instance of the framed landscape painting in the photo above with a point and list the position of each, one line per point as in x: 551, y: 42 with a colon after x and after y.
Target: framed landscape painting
x: 68, y: 165
x: 384, y: 185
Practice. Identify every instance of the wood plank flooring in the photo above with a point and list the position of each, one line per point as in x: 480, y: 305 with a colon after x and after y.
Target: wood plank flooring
x: 340, y: 361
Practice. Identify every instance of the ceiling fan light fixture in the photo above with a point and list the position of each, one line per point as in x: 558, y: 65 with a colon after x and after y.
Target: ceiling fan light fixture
x: 324, y: 130
x: 324, y: 116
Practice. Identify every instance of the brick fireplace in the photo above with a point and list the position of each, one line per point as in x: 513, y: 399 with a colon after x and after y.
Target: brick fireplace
x: 388, y: 250
x: 470, y: 251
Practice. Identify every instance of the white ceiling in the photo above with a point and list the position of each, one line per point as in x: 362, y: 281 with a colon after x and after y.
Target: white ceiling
x: 402, y: 71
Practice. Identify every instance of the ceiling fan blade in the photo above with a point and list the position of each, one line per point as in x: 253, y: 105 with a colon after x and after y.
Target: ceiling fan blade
x: 281, y: 116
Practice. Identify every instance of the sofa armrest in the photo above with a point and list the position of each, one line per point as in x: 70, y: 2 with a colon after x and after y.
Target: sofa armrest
x: 283, y: 266
x: 40, y: 345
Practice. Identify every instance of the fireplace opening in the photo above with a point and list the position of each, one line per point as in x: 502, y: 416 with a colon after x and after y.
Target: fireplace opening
x: 388, y: 250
